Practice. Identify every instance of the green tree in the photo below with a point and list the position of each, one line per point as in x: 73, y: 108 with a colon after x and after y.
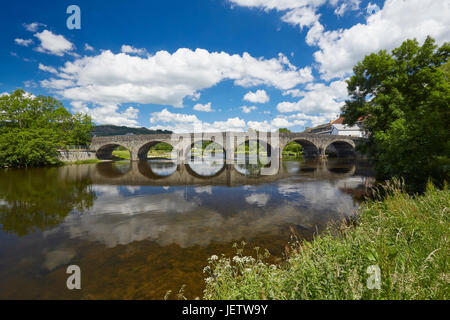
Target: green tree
x: 404, y: 99
x: 33, y: 128
x: 293, y: 148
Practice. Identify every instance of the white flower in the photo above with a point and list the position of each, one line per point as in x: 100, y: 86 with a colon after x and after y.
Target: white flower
x: 237, y: 259
x: 208, y: 280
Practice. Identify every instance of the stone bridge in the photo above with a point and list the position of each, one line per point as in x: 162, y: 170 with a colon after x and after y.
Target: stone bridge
x: 314, y: 145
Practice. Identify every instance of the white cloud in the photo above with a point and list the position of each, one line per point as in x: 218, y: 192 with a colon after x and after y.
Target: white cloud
x: 313, y: 119
x: 203, y: 107
x: 87, y: 47
x: 341, y: 49
x: 109, y: 79
x: 108, y: 114
x: 259, y: 96
x: 372, y: 8
x: 47, y: 68
x: 32, y: 27
x: 130, y: 49
x: 30, y: 84
x: 300, y: 13
x: 23, y: 42
x: 246, y: 109
x: 280, y: 121
x: 167, y: 116
x: 346, y: 5
x: 180, y: 122
x: 303, y: 17
x: 53, y: 44
x: 318, y: 98
x: 294, y: 93
x: 57, y: 84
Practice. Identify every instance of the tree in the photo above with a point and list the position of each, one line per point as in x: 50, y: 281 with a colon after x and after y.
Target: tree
x: 404, y: 99
x: 33, y: 128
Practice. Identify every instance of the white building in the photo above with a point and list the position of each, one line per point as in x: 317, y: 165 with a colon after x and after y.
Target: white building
x: 345, y: 130
x: 337, y: 127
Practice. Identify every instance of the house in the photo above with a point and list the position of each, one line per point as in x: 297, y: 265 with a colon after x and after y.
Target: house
x: 345, y: 130
x: 337, y: 127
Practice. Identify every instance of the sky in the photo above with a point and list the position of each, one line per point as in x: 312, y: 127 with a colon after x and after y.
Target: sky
x: 209, y: 65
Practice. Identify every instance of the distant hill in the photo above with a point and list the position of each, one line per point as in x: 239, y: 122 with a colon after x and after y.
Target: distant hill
x: 110, y: 130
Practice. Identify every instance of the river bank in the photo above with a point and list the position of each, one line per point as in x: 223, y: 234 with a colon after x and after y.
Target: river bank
x: 406, y: 237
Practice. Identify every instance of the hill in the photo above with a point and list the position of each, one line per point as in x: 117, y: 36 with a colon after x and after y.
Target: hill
x: 111, y: 130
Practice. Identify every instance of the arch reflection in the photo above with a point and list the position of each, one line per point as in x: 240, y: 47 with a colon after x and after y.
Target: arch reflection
x: 156, y: 169
x: 113, y: 169
x: 205, y: 159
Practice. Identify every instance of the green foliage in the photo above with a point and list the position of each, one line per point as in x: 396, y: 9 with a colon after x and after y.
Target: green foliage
x: 28, y: 147
x: 405, y: 99
x: 293, y: 149
x: 33, y: 128
x: 406, y: 237
x: 121, y: 154
x: 162, y: 146
x: 284, y: 130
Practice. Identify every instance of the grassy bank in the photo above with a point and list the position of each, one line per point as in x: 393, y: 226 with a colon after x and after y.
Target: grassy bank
x: 123, y: 154
x: 406, y: 237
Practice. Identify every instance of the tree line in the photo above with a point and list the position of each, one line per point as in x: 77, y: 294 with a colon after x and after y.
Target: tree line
x: 32, y: 129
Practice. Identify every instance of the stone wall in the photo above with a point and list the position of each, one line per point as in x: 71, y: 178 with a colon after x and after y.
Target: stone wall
x: 76, y: 155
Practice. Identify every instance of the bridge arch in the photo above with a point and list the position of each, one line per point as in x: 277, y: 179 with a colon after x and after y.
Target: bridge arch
x: 214, y: 146
x: 310, y: 149
x: 342, y: 148
x: 145, y: 148
x: 258, y: 158
x: 105, y: 151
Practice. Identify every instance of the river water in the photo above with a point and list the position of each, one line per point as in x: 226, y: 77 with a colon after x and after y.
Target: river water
x: 139, y: 229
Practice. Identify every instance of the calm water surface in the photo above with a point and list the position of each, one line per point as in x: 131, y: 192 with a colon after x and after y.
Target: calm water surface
x: 139, y: 229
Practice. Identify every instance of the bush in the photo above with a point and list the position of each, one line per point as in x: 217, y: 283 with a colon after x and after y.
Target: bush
x: 406, y: 237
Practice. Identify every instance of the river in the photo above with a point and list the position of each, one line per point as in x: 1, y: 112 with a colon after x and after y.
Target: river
x: 139, y: 229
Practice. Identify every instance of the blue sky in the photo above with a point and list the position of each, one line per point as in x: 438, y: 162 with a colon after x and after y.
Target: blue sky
x: 205, y: 64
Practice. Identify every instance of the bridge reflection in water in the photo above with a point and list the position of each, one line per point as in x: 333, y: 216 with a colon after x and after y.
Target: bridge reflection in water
x: 168, y: 173
x: 140, y: 228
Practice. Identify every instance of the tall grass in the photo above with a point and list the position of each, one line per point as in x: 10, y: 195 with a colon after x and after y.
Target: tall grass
x: 406, y: 237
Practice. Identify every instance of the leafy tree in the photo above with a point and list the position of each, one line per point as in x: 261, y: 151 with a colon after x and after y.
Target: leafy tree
x: 284, y: 130
x: 404, y: 99
x: 293, y: 147
x: 33, y: 128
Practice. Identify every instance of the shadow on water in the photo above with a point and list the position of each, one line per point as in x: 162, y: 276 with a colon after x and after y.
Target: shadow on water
x: 138, y: 229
